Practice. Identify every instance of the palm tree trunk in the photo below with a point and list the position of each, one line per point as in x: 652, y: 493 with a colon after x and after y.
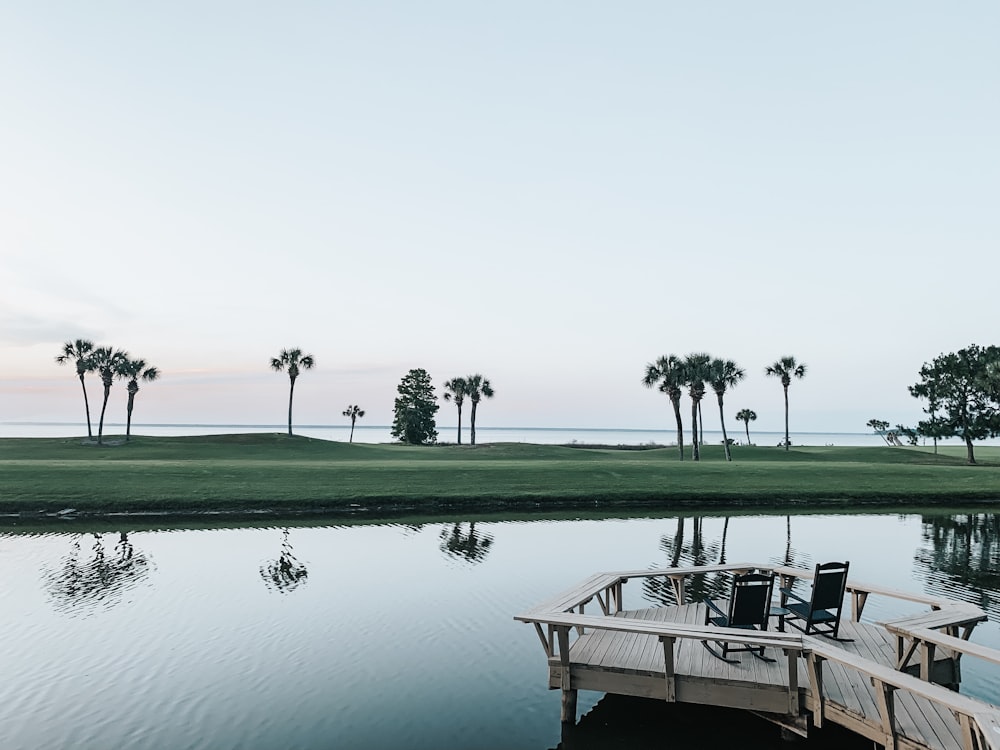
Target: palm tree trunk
x: 351, y: 439
x: 86, y: 406
x: 701, y: 426
x: 747, y: 425
x: 291, y: 392
x: 680, y: 426
x: 695, y: 454
x: 128, y: 421
x: 786, y: 418
x: 472, y: 425
x: 459, y: 424
x: 104, y: 407
x: 725, y: 438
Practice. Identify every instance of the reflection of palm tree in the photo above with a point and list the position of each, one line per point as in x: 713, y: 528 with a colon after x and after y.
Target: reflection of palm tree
x: 286, y: 573
x: 698, y: 586
x: 80, y: 583
x: 472, y: 546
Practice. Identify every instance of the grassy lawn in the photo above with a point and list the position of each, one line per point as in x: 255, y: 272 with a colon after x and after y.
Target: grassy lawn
x: 275, y: 472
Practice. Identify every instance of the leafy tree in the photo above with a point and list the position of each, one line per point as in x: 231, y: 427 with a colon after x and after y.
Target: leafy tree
x: 355, y: 413
x: 667, y: 373
x: 696, y: 372
x: 910, y: 433
x: 724, y: 374
x: 964, y: 385
x: 108, y: 363
x: 293, y: 361
x: 456, y: 390
x: 786, y: 368
x: 79, y: 351
x: 476, y: 388
x: 880, y: 426
x: 135, y: 370
x: 415, y: 408
x: 746, y: 416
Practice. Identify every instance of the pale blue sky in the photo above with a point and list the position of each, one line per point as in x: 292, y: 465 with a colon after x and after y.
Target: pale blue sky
x: 551, y: 194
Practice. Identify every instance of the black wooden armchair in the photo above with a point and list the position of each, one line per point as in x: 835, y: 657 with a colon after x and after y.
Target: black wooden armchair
x: 820, y: 615
x: 748, y: 607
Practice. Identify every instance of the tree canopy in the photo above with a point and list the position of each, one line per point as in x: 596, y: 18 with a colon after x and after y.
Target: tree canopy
x: 415, y: 408
x: 963, y: 394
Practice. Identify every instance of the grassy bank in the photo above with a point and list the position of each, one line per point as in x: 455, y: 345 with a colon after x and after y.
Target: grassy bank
x: 281, y: 474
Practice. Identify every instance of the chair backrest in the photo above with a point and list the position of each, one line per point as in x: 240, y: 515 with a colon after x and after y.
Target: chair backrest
x: 828, y: 586
x: 750, y: 602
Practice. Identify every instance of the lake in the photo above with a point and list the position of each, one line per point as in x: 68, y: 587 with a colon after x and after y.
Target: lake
x: 356, y: 634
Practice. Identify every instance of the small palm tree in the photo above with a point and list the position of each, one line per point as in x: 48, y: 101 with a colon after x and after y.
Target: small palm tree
x: 697, y: 372
x: 292, y: 361
x: 355, y: 413
x: 668, y: 372
x: 108, y: 362
x: 724, y: 374
x: 79, y: 351
x: 746, y: 416
x: 477, y: 387
x: 786, y: 368
x: 135, y: 370
x: 455, y: 390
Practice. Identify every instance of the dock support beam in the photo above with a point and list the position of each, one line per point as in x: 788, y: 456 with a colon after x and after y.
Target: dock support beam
x: 567, y: 711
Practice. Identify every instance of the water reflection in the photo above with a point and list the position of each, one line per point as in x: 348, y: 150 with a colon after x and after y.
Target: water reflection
x: 960, y: 558
x: 472, y: 546
x: 699, y: 586
x: 286, y: 573
x: 82, y: 582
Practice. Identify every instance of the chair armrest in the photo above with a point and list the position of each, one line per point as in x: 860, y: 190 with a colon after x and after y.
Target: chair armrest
x: 789, y: 594
x: 711, y: 605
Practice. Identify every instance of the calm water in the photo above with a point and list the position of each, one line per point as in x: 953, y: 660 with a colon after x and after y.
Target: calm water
x: 391, y: 635
x: 381, y: 434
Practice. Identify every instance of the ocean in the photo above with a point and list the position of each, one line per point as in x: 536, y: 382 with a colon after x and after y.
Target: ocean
x: 381, y: 434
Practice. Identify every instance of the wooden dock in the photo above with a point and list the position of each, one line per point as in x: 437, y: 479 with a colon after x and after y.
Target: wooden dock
x: 893, y: 682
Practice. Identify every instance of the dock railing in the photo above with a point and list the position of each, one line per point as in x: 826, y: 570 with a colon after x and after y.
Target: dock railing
x: 947, y: 624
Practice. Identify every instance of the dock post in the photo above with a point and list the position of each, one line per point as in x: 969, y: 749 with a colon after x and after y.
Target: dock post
x: 567, y: 711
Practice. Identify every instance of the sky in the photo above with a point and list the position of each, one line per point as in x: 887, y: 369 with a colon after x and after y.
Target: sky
x: 551, y: 194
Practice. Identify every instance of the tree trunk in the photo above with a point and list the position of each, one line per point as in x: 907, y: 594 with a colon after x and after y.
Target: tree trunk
x: 104, y: 407
x: 459, y: 424
x: 695, y: 454
x: 128, y: 421
x: 968, y: 448
x: 725, y: 438
x: 351, y: 438
x: 86, y: 406
x: 701, y: 426
x: 747, y: 426
x: 291, y: 392
x: 786, y: 418
x: 676, y: 403
x: 472, y: 425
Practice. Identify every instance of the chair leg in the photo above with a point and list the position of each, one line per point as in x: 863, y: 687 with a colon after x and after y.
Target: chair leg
x: 717, y: 655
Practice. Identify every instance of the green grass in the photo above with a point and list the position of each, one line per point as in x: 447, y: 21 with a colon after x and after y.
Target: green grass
x: 282, y: 474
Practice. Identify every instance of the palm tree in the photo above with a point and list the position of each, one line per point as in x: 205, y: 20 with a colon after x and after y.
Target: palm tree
x: 456, y: 389
x: 476, y: 387
x: 786, y: 368
x: 668, y: 371
x: 135, y: 370
x: 108, y: 362
x: 724, y: 374
x: 355, y: 413
x: 696, y: 371
x: 79, y: 351
x: 746, y: 416
x: 292, y: 360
